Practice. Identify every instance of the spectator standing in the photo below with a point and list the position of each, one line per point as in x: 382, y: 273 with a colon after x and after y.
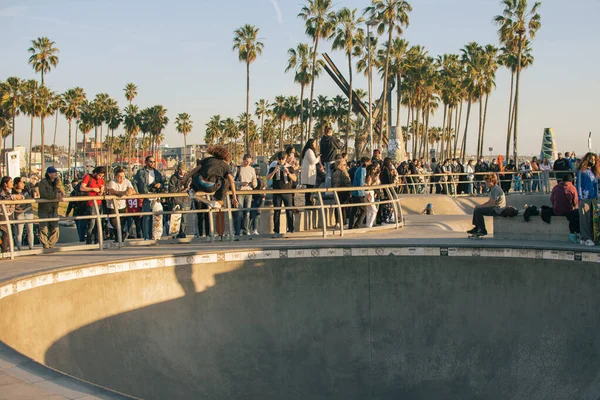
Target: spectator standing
x: 245, y: 182
x: 78, y: 209
x: 257, y: 201
x: 527, y: 176
x: 561, y: 164
x: 134, y: 206
x: 535, y: 170
x: 282, y: 177
x: 470, y: 170
x: 357, y: 214
x: 119, y: 186
x: 588, y: 173
x: 6, y: 193
x: 372, y: 180
x: 93, y: 185
x: 329, y: 146
x: 23, y: 212
x: 176, y: 185
x: 50, y: 188
x: 148, y: 180
x: 308, y: 175
x: 388, y: 177
x: 545, y: 168
x: 481, y: 168
x: 564, y: 199
x: 341, y: 178
x: 572, y: 159
x: 511, y: 169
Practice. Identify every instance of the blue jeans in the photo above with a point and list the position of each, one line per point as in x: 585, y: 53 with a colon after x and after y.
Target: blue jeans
x: 245, y: 201
x: 255, y: 214
x: 147, y: 220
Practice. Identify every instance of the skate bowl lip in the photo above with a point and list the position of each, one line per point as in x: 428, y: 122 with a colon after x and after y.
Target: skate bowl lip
x: 385, y: 248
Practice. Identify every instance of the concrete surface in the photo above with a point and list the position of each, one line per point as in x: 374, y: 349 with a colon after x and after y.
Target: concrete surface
x: 346, y: 327
x: 536, y: 229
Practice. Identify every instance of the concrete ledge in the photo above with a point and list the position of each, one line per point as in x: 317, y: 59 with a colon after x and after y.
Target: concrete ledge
x: 517, y: 229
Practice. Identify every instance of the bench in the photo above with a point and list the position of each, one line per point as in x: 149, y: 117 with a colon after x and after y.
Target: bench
x: 536, y: 229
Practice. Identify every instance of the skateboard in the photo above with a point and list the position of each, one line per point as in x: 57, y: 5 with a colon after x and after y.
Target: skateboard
x: 596, y: 220
x: 220, y: 223
x: 476, y: 237
x: 175, y: 222
x: 157, y: 221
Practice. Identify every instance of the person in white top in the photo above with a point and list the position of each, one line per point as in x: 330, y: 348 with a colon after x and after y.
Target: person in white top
x: 308, y: 175
x: 245, y: 181
x: 119, y: 186
x: 545, y: 167
x: 470, y: 170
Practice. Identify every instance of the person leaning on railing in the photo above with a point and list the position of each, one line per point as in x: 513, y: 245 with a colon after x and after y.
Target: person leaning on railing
x: 341, y: 178
x: 6, y: 185
x: 119, y: 186
x: 282, y: 178
x: 545, y: 168
x: 93, y: 185
x: 23, y: 212
x: 50, y: 188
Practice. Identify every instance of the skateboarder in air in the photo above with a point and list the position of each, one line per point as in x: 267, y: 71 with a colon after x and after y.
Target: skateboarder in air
x: 494, y: 206
x: 212, y: 176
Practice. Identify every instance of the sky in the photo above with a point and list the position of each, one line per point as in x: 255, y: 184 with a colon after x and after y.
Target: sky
x: 179, y: 54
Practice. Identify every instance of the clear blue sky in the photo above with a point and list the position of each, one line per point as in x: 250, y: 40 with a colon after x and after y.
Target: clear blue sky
x: 179, y: 54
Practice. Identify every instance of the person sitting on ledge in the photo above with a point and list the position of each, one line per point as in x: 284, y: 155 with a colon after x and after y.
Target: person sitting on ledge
x: 494, y: 206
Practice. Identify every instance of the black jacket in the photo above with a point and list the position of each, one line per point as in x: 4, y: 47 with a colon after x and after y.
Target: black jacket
x: 329, y: 145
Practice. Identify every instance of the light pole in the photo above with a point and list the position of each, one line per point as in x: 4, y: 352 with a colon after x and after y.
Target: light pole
x: 369, y: 24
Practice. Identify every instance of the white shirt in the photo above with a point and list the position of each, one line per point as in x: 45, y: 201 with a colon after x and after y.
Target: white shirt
x: 118, y: 187
x: 151, y: 177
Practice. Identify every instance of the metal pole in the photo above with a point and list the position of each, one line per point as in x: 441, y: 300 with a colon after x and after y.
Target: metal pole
x: 370, y: 90
x: 11, y: 244
x: 100, y: 235
x: 340, y: 212
x: 118, y: 227
x: 323, y: 219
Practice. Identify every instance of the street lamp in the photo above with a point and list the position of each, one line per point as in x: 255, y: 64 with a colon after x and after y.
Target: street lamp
x: 370, y: 23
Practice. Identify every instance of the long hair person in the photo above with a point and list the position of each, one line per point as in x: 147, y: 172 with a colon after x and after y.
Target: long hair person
x: 588, y: 173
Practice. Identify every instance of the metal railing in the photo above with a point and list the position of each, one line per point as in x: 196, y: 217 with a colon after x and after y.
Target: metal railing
x: 392, y: 197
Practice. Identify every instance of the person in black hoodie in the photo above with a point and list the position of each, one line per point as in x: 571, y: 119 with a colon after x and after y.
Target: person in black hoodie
x: 329, y: 146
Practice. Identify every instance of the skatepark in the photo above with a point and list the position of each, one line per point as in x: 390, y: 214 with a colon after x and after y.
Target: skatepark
x: 415, y: 313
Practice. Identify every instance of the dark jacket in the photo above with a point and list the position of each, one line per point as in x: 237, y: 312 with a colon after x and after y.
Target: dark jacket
x: 141, y: 180
x: 49, y: 191
x: 328, y: 146
x: 175, y: 186
x: 564, y: 198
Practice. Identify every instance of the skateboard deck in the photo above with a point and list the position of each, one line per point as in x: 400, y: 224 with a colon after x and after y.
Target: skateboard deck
x: 220, y: 223
x: 157, y: 221
x: 596, y: 220
x: 175, y: 223
x: 476, y: 237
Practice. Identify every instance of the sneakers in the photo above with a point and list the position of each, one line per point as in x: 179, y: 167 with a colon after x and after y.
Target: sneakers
x: 589, y: 242
x: 472, y: 231
x: 573, y: 238
x: 214, y: 204
x: 255, y: 232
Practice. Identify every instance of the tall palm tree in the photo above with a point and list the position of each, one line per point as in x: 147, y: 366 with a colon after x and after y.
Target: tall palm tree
x: 157, y: 122
x: 113, y: 119
x: 280, y: 112
x: 319, y: 21
x: 246, y: 42
x: 11, y: 96
x: 56, y: 105
x: 263, y: 109
x: 130, y: 92
x: 183, y: 124
x: 45, y: 99
x: 29, y: 106
x: 490, y: 66
x: 391, y: 15
x: 470, y: 56
x: 398, y: 67
x: 231, y: 132
x: 71, y: 109
x: 43, y: 56
x: 131, y: 119
x: 518, y: 24
x: 345, y: 37
x: 86, y: 124
x: 214, y: 130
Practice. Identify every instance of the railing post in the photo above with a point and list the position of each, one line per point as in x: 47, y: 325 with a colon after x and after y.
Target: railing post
x: 11, y: 245
x: 230, y: 216
x: 322, y: 206
x: 99, y: 226
x: 118, y: 227
x: 340, y: 212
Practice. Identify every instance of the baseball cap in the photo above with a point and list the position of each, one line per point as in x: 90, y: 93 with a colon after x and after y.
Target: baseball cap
x: 51, y: 170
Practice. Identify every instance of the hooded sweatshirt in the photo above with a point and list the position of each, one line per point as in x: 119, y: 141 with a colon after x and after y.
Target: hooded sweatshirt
x: 587, y: 185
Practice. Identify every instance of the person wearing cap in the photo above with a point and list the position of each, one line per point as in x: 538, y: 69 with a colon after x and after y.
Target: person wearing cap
x: 177, y: 185
x: 50, y: 188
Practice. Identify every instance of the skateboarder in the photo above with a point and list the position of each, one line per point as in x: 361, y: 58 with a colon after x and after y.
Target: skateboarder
x: 494, y: 206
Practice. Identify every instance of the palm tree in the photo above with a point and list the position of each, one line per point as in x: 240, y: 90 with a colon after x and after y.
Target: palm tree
x: 245, y: 41
x: 56, y: 105
x: 346, y: 36
x: 43, y: 56
x: 263, y: 108
x: 95, y: 115
x: 11, y: 96
x: 517, y: 25
x: 398, y: 67
x: 470, y: 57
x: 157, y: 122
x: 391, y: 15
x: 85, y: 126
x: 183, y: 124
x: 71, y: 109
x: 280, y: 112
x: 131, y: 119
x: 29, y: 107
x: 319, y: 22
x: 45, y: 99
x: 214, y: 130
x: 231, y: 132
x: 130, y: 92
x: 113, y: 119
x: 490, y: 66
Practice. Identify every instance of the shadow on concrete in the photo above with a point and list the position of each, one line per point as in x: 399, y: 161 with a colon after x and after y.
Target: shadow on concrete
x: 344, y: 328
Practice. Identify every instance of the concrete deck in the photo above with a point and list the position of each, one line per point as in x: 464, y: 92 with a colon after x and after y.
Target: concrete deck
x: 22, y: 378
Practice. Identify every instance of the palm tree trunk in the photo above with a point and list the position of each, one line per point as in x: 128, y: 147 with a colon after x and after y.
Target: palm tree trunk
x: 75, y: 162
x: 510, y: 115
x: 479, y: 147
x: 487, y: 96
x: 43, y: 152
x: 96, y: 145
x: 400, y: 145
x: 516, y: 120
x: 30, y: 143
x: 69, y: 151
x: 457, y: 128
x: 312, y: 82
x: 385, y: 86
x: 13, y: 129
x: 54, y: 139
x: 443, y: 129
x: 350, y: 100
x: 301, y: 116
x: 247, y: 138
x: 185, y: 155
x: 408, y: 114
x: 464, y: 143
x: 416, y: 134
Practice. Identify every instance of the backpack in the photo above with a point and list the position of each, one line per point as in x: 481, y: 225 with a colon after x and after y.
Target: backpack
x: 529, y: 212
x: 509, y: 212
x: 79, y: 208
